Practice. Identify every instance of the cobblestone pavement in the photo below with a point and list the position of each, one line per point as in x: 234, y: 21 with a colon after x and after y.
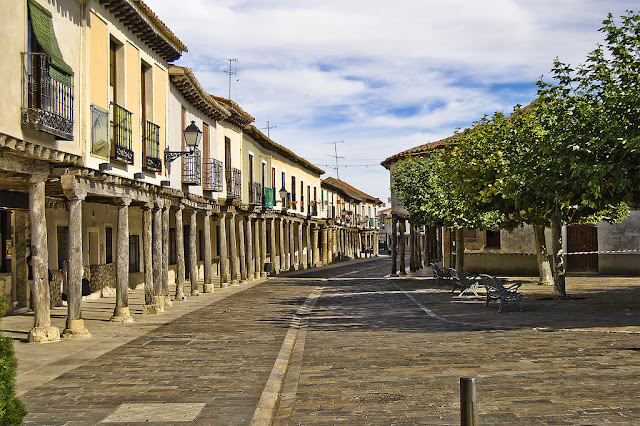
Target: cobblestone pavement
x: 365, y: 350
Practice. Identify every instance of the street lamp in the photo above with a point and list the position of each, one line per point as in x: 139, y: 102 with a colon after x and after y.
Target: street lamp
x: 192, y: 135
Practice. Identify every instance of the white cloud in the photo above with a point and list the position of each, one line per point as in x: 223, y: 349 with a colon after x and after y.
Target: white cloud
x: 337, y: 70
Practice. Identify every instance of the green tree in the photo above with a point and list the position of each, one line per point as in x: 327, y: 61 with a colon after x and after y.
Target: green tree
x: 12, y: 410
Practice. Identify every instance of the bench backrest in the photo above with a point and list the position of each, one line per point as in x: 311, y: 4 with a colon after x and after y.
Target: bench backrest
x: 491, y: 281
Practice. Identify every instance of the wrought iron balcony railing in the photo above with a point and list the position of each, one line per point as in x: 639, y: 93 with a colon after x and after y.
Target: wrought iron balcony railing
x: 268, y: 198
x: 191, y: 168
x: 234, y: 184
x: 314, y: 209
x: 121, y: 135
x: 47, y: 104
x: 255, y: 194
x: 212, y: 174
x: 152, y: 161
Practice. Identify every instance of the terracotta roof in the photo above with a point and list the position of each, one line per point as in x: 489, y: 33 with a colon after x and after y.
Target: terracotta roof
x: 349, y: 190
x: 138, y: 17
x: 190, y: 88
x: 238, y: 116
x: 421, y: 149
x: 266, y: 142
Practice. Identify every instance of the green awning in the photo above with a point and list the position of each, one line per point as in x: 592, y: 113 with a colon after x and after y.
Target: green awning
x: 42, y: 24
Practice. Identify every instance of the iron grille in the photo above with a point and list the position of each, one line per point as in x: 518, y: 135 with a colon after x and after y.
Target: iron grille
x: 47, y: 104
x: 212, y: 174
x: 255, y: 194
x: 191, y: 168
x: 152, y: 160
x: 121, y: 135
x: 234, y: 183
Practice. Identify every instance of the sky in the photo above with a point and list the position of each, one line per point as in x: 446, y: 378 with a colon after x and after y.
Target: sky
x: 377, y: 76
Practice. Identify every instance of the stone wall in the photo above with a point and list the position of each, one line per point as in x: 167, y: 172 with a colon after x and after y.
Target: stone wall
x: 102, y: 278
x: 55, y: 288
x: 6, y: 287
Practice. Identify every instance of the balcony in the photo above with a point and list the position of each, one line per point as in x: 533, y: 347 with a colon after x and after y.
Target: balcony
x: 234, y: 184
x: 191, y: 168
x: 268, y: 200
x: 152, y: 161
x: 314, y: 209
x: 212, y: 174
x: 121, y: 135
x: 255, y: 194
x: 47, y: 103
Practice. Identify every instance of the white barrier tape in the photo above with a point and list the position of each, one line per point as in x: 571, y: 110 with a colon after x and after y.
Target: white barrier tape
x: 603, y: 252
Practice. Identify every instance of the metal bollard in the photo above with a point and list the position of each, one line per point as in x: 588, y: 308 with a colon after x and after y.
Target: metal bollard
x: 468, y: 401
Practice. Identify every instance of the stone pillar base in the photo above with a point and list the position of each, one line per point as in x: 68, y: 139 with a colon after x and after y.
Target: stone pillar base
x: 208, y: 288
x: 44, y: 334
x: 403, y: 273
x: 167, y: 301
x: 158, y: 302
x: 75, y: 330
x: 149, y: 310
x: 235, y: 282
x: 263, y: 275
x: 121, y: 314
x: 224, y: 285
x: 257, y: 275
x: 179, y: 295
x: 394, y: 275
x: 195, y: 292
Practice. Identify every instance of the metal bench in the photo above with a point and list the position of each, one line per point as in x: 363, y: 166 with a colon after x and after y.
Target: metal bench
x: 508, y: 295
x: 467, y: 283
x: 440, y: 275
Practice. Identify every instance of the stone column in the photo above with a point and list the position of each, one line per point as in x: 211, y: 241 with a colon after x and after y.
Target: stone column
x: 242, y: 247
x: 224, y: 252
x: 292, y: 246
x: 275, y: 265
x: 251, y: 267
x: 179, y: 255
x: 301, y: 259
x: 263, y: 246
x: 147, y: 252
x: 325, y: 245
x: 165, y: 253
x: 310, y: 248
x: 75, y: 324
x: 157, y: 298
x: 394, y: 246
x: 282, y: 264
x: 329, y: 245
x: 316, y: 250
x: 206, y: 233
x: 42, y: 330
x: 233, y: 243
x: 403, y: 270
x: 256, y: 245
x: 121, y: 312
x: 193, y: 258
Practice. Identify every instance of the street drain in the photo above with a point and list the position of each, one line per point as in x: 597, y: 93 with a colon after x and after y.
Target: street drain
x: 382, y: 398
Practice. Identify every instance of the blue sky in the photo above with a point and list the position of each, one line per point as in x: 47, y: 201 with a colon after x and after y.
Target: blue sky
x: 381, y: 76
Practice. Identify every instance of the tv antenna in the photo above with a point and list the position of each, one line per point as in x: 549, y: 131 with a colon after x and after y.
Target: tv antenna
x: 335, y: 155
x: 231, y: 73
x: 268, y: 127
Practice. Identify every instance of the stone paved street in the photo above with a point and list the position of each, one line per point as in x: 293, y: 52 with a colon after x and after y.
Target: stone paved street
x: 364, y: 350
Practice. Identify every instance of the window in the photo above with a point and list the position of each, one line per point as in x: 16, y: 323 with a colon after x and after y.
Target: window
x: 108, y: 243
x: 301, y: 196
x: 273, y: 179
x: 264, y: 174
x: 173, y: 257
x: 293, y: 189
x: 492, y: 239
x: 134, y: 254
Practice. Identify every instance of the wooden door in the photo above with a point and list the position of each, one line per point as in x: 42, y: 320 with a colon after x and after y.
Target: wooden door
x: 581, y: 238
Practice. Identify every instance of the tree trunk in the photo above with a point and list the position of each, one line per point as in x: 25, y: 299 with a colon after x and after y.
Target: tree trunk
x: 544, y: 266
x: 460, y: 250
x: 558, y: 260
